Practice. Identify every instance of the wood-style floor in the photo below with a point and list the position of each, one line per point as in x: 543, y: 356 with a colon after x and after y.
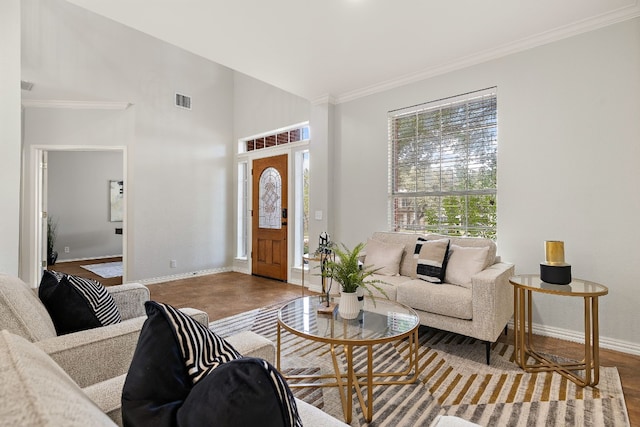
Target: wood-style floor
x: 74, y: 267
x: 225, y: 294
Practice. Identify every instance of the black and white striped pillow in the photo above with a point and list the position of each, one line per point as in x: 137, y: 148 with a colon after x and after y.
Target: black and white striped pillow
x: 202, y: 349
x: 75, y: 303
x: 98, y: 298
x: 184, y: 374
x: 431, y: 259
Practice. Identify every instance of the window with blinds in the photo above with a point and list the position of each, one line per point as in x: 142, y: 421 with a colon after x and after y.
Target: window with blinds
x: 443, y: 166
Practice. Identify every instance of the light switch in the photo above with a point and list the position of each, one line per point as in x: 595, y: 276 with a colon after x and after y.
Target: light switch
x: 319, y: 215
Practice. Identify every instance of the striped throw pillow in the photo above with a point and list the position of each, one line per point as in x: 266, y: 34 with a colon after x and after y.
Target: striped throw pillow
x: 431, y: 259
x: 184, y: 374
x: 75, y: 303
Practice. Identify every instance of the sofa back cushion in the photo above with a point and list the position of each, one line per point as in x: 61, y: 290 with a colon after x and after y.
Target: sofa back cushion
x: 21, y: 312
x: 384, y: 257
x: 408, y: 262
x: 472, y: 242
x: 37, y: 392
x: 464, y: 263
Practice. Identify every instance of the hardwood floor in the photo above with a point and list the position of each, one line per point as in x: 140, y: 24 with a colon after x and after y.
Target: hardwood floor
x: 224, y: 294
x: 74, y: 267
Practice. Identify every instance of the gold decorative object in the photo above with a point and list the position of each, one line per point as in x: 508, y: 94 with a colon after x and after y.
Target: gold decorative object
x: 554, y: 269
x: 554, y: 252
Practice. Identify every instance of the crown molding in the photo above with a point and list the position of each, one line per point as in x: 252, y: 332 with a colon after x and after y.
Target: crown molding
x: 75, y: 105
x: 579, y: 27
x: 325, y: 99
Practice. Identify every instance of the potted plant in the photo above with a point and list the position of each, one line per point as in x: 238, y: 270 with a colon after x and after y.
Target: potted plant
x: 346, y: 269
x: 52, y: 234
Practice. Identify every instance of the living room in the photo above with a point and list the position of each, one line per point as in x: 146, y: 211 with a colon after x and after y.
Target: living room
x: 568, y: 133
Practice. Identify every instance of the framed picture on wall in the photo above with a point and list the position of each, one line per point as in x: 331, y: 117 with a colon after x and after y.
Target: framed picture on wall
x: 116, y: 197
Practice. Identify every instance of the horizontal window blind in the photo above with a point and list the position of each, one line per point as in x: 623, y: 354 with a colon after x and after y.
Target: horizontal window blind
x: 443, y: 165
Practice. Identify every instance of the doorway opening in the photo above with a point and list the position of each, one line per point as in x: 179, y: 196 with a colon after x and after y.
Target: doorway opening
x: 72, y: 187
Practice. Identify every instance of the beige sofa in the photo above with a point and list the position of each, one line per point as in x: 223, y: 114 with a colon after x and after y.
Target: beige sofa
x: 479, y: 305
x: 77, y: 379
x: 36, y: 392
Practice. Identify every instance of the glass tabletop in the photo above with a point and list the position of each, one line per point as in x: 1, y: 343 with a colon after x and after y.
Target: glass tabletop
x: 577, y: 287
x: 377, y: 322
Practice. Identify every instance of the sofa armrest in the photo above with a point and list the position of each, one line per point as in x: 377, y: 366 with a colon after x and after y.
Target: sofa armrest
x: 130, y: 299
x: 95, y: 355
x: 108, y: 396
x: 492, y: 300
x: 250, y: 344
x: 98, y: 354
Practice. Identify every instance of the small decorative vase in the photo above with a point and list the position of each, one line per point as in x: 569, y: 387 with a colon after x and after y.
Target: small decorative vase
x: 349, y: 306
x: 52, y: 257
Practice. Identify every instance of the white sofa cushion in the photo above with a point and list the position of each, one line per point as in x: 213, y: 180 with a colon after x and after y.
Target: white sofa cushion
x: 463, y: 263
x: 383, y: 257
x: 445, y: 299
x: 390, y: 285
x: 408, y: 262
x: 21, y: 312
x: 37, y: 392
x: 472, y: 242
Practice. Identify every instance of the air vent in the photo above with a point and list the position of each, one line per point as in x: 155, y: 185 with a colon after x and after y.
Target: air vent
x: 26, y: 85
x: 183, y: 101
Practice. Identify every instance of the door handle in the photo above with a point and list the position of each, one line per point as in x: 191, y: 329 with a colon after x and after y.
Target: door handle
x: 284, y: 213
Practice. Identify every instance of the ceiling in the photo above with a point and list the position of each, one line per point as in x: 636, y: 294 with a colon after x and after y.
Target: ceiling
x: 338, y: 50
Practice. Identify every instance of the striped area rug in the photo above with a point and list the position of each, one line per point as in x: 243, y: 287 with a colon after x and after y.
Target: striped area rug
x: 454, y: 380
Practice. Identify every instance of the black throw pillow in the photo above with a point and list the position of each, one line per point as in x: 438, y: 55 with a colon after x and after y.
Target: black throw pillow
x: 157, y: 382
x: 75, y: 303
x: 243, y: 392
x: 176, y: 363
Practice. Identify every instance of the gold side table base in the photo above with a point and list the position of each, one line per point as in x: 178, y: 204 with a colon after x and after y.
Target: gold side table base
x: 523, y: 342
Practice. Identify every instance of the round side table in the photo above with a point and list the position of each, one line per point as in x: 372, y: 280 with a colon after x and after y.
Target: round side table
x: 524, y: 286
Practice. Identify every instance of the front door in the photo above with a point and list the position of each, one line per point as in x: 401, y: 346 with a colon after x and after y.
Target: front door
x: 269, y: 217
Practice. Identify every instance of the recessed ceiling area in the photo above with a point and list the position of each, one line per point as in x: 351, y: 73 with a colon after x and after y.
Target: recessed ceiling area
x: 343, y: 49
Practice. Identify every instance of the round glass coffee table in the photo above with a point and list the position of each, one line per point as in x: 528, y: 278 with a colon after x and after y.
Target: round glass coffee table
x: 377, y: 323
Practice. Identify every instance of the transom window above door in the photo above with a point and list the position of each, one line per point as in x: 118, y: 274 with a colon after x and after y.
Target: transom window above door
x: 296, y: 134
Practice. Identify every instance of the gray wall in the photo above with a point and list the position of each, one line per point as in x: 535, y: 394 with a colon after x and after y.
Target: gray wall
x: 78, y: 198
x: 10, y: 111
x: 179, y: 163
x: 567, y: 166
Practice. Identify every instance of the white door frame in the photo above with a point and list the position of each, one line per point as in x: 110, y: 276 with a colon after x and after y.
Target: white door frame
x: 38, y: 190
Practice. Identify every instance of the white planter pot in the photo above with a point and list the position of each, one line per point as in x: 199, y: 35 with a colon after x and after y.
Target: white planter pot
x: 349, y: 306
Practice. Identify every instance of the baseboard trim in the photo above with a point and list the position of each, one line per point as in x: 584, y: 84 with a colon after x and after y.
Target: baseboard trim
x: 163, y: 279
x: 62, y: 261
x: 574, y: 336
x: 241, y: 270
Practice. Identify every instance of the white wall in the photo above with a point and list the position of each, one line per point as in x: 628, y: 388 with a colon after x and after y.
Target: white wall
x: 259, y: 108
x: 178, y: 177
x: 568, y: 166
x: 78, y: 199
x: 10, y: 135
